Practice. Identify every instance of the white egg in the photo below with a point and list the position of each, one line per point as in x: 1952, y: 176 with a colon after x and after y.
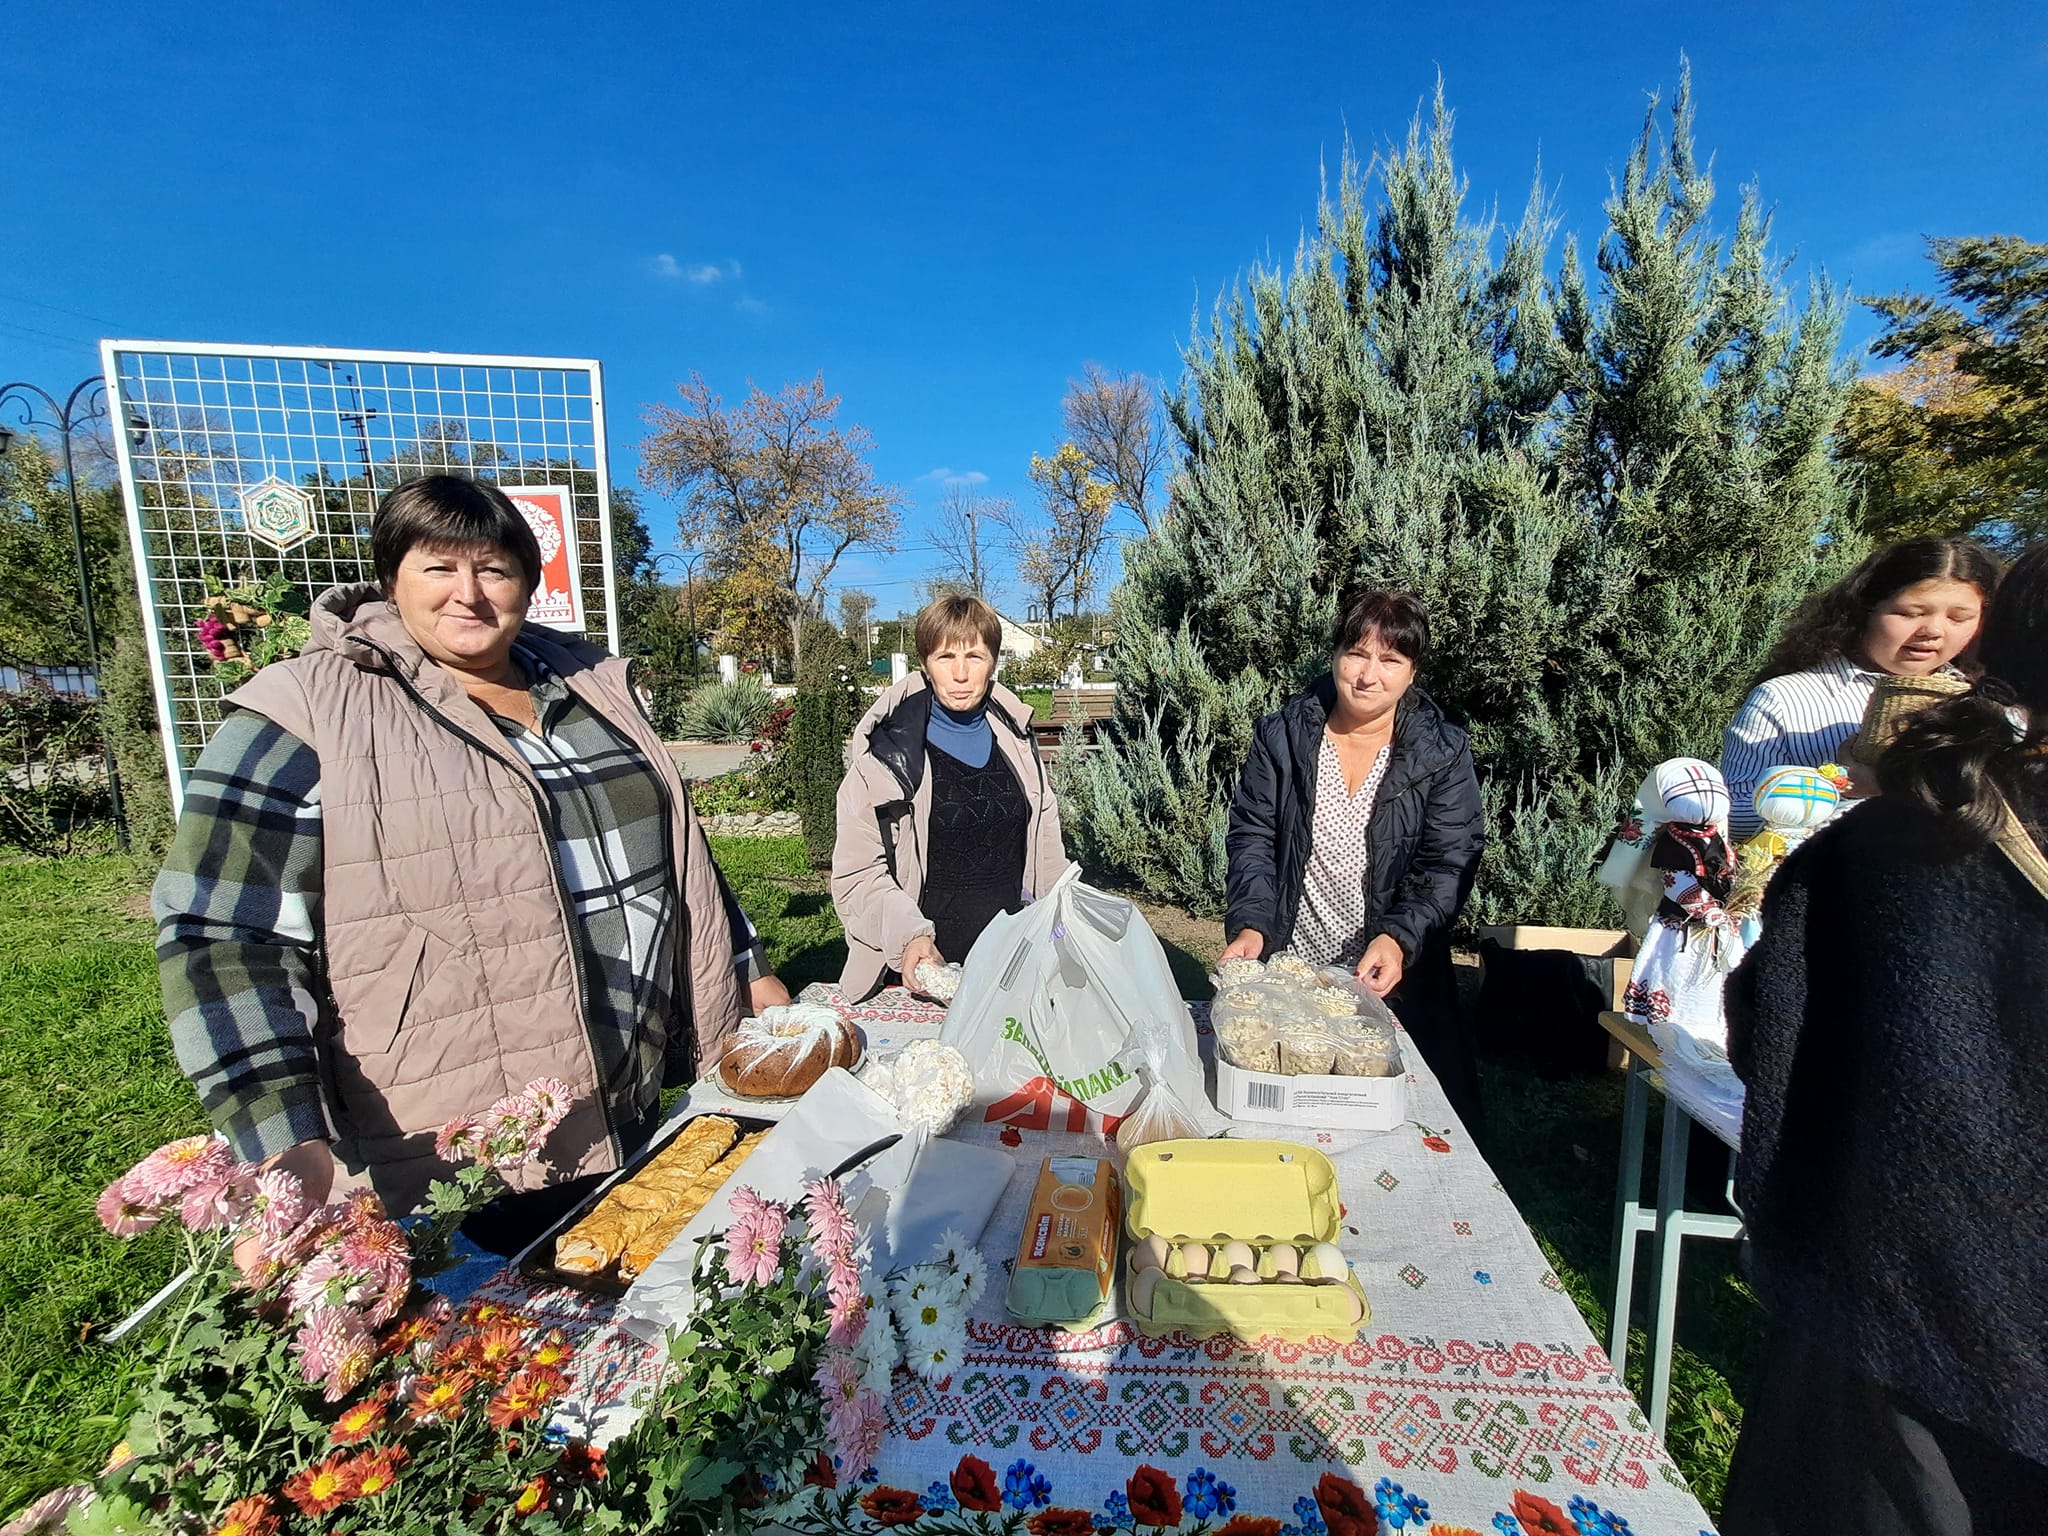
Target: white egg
x: 1325, y: 1261
x: 1196, y: 1259
x: 1143, y: 1288
x: 1149, y: 1252
x: 1236, y: 1255
x: 1244, y: 1274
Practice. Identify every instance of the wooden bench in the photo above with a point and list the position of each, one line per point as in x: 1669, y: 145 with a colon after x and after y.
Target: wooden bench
x: 1089, y: 706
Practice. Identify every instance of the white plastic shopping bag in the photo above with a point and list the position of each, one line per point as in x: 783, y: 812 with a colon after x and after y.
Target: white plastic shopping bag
x: 1053, y: 995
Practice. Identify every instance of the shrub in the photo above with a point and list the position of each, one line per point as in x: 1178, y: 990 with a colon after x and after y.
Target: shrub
x: 730, y: 794
x: 727, y: 711
x: 778, y: 777
x: 829, y: 703
x: 51, y: 783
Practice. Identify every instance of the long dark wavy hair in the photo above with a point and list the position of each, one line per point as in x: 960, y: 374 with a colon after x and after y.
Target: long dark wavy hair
x: 1963, y: 759
x: 1831, y: 623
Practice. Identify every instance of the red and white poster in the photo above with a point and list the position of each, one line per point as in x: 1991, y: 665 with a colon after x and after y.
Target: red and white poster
x: 558, y: 600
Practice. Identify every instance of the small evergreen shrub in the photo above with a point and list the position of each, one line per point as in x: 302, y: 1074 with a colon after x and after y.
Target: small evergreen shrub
x: 829, y: 704
x: 727, y: 711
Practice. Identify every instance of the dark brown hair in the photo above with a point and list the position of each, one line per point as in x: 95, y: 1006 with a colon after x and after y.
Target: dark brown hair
x: 1962, y: 758
x: 1398, y: 618
x: 449, y: 511
x: 1831, y: 623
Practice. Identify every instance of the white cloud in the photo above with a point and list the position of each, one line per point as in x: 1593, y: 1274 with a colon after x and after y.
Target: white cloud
x: 944, y: 476
x: 699, y: 272
x: 751, y: 306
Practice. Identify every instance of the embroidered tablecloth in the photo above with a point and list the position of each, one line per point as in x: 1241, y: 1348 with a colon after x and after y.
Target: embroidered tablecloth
x: 1475, y: 1399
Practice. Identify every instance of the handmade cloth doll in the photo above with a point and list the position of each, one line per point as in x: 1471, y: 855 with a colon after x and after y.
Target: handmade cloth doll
x: 1792, y: 802
x: 1692, y: 942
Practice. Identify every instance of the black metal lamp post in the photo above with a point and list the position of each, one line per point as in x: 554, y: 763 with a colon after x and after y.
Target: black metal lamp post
x: 65, y: 419
x: 689, y: 564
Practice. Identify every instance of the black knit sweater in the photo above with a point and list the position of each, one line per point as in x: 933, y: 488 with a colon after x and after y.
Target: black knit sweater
x: 1892, y: 1027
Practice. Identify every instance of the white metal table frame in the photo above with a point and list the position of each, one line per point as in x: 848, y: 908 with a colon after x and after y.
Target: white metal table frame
x: 1669, y: 1220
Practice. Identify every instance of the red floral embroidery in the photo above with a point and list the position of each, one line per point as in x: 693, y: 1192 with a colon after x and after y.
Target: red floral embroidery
x: 1346, y: 1509
x: 1539, y: 1517
x: 1436, y: 1144
x: 821, y: 1473
x: 975, y: 1486
x: 892, y: 1506
x: 1155, y: 1500
x: 1012, y: 1137
x: 1250, y: 1525
x: 1061, y: 1522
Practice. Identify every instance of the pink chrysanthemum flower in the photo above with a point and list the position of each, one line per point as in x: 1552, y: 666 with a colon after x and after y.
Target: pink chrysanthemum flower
x: 123, y: 1215
x: 361, y: 1209
x: 753, y: 1248
x: 552, y: 1097
x: 176, y: 1166
x: 837, y: 1379
x: 328, y: 1281
x: 846, y: 1318
x: 280, y: 1203
x: 746, y: 1203
x: 460, y: 1140
x: 862, y: 1441
x: 199, y: 1208
x: 832, y: 1228
x: 335, y: 1346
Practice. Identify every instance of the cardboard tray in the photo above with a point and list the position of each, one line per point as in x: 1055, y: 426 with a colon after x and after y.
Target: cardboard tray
x: 1260, y: 1192
x: 537, y: 1263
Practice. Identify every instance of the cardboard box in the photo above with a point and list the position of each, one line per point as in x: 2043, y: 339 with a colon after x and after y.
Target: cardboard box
x: 1312, y: 1099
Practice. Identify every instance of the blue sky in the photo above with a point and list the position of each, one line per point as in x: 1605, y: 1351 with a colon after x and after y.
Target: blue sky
x: 946, y: 209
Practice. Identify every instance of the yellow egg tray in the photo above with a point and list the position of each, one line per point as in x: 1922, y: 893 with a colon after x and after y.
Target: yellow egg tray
x: 1257, y: 1192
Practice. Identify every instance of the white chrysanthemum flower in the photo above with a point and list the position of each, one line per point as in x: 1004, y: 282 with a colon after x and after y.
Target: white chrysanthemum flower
x: 876, y: 1356
x: 951, y: 1244
x: 938, y: 1359
x: 970, y: 1276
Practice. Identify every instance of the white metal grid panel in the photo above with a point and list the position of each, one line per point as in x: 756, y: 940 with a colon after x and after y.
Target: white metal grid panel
x: 198, y: 425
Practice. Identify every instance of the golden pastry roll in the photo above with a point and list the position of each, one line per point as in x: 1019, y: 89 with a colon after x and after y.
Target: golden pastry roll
x: 629, y: 1205
x: 653, y: 1239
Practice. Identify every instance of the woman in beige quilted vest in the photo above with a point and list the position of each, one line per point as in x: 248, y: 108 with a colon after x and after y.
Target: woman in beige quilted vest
x: 439, y: 854
x: 946, y: 816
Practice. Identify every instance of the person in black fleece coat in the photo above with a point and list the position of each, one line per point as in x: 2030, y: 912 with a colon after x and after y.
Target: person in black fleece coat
x: 1891, y: 1026
x: 1423, y: 842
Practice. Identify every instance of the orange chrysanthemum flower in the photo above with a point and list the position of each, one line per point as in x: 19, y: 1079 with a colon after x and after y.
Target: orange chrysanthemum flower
x: 252, y: 1516
x: 437, y: 1397
x: 375, y: 1471
x: 481, y: 1314
x: 361, y: 1420
x: 525, y: 1395
x: 408, y: 1332
x: 553, y: 1350
x: 321, y: 1487
x: 497, y: 1351
x: 533, y: 1498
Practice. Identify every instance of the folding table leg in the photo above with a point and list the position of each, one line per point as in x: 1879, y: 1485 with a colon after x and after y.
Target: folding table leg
x: 1670, y: 1241
x: 1628, y: 1211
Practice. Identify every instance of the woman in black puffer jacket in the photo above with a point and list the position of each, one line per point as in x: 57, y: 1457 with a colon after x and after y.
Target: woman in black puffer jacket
x: 1356, y: 831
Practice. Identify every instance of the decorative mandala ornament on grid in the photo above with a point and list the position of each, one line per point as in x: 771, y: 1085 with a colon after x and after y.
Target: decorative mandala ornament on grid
x: 1386, y: 1180
x: 1415, y: 1277
x: 280, y: 515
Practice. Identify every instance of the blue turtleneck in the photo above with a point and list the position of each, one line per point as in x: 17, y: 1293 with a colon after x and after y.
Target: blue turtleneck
x: 964, y: 734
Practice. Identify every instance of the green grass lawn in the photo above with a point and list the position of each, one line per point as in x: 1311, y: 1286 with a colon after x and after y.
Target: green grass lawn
x: 88, y: 1084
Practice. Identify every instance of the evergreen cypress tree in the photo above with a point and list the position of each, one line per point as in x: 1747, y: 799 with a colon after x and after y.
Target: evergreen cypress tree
x: 1608, y: 500
x: 829, y: 703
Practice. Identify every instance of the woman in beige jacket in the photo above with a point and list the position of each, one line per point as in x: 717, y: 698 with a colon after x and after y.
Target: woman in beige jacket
x: 946, y: 814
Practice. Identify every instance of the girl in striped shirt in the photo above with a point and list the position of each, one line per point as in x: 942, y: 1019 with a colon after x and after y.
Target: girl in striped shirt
x: 1908, y: 610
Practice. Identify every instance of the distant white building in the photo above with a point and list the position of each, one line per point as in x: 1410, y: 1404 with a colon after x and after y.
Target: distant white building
x: 1018, y: 642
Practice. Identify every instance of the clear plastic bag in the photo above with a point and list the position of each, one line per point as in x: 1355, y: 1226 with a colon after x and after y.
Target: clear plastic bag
x: 1159, y: 1114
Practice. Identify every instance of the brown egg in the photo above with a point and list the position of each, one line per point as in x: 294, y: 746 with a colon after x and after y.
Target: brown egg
x: 1353, y: 1308
x: 1244, y: 1274
x: 1144, y: 1286
x: 1196, y: 1258
x: 1149, y: 1252
x: 1286, y: 1261
x: 1236, y: 1255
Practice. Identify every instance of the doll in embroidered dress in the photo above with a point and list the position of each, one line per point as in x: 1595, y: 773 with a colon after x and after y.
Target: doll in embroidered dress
x: 1793, y: 803
x: 1691, y: 942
